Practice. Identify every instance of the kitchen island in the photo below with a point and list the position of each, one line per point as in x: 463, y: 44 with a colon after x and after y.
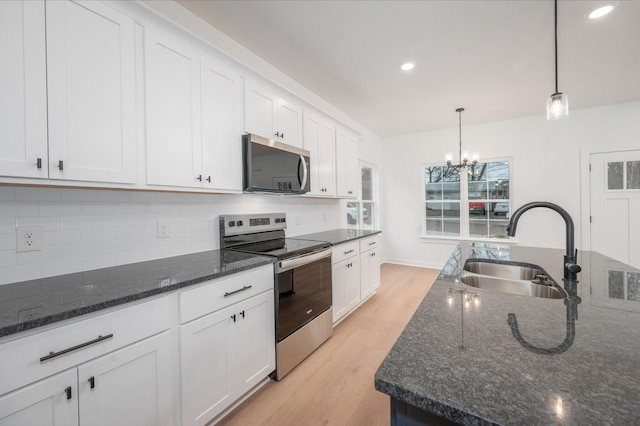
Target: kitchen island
x: 563, y: 363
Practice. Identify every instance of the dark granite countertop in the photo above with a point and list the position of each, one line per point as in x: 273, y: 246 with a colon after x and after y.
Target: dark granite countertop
x: 338, y: 236
x: 550, y: 376
x: 30, y: 304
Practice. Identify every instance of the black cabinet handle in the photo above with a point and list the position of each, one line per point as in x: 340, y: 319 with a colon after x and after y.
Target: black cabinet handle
x: 61, y: 165
x: 242, y: 313
x: 233, y: 317
x: 372, y: 254
x: 246, y: 287
x: 348, y: 251
x: 199, y: 178
x: 68, y: 392
x: 73, y: 348
x: 278, y: 134
x: 208, y: 178
x: 39, y: 163
x: 282, y: 135
x: 92, y: 382
x: 372, y: 243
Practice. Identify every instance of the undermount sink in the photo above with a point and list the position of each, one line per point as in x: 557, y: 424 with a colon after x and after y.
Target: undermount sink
x: 519, y: 278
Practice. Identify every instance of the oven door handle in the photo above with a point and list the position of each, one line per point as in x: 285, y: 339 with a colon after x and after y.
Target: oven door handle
x: 285, y: 265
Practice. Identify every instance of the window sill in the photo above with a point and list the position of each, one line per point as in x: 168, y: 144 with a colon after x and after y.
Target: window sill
x: 444, y: 239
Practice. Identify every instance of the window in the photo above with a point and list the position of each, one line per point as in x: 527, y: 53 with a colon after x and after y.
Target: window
x: 467, y: 202
x: 363, y: 212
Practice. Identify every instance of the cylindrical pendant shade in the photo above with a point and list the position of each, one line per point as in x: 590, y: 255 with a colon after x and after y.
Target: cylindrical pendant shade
x: 557, y: 106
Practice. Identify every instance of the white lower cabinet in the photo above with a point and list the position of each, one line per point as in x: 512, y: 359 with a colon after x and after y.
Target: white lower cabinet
x: 346, y: 279
x: 355, y: 274
x: 125, y: 378
x: 227, y: 352
x: 369, y: 265
x: 42, y: 403
x: 130, y: 386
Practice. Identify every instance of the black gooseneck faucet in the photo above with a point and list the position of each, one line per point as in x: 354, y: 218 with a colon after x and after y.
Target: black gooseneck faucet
x: 570, y: 267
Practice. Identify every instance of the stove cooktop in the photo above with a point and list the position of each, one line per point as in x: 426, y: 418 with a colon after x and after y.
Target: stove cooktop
x: 284, y: 248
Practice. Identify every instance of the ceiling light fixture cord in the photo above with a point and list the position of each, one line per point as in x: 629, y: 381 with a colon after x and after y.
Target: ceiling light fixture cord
x: 459, y: 111
x: 555, y: 13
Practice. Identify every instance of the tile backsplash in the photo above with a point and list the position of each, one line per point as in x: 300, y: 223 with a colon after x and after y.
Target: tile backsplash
x: 85, y: 229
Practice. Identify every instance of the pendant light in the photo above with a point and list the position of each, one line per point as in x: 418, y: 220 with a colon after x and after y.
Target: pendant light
x: 557, y: 103
x: 463, y: 158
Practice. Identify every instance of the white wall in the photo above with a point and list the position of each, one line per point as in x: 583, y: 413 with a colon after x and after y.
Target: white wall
x: 547, y: 166
x: 88, y: 229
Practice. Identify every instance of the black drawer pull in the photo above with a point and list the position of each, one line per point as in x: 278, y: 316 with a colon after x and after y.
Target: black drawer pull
x: 39, y: 163
x: 68, y: 392
x: 233, y: 317
x: 246, y: 287
x: 372, y: 243
x: 80, y: 346
x: 92, y: 382
x: 242, y: 313
x: 61, y: 165
x: 348, y: 251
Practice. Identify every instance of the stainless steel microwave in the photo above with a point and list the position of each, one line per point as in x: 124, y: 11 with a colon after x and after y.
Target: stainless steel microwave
x: 275, y: 167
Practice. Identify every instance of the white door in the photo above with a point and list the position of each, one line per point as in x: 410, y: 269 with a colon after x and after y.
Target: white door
x: 49, y: 402
x: 207, y: 366
x: 347, y: 164
x: 91, y: 88
x: 289, y: 123
x: 174, y: 144
x: 221, y: 127
x: 260, y: 108
x: 131, y: 386
x: 615, y: 205
x: 23, y: 91
x: 255, y: 326
x: 369, y: 272
x: 327, y: 163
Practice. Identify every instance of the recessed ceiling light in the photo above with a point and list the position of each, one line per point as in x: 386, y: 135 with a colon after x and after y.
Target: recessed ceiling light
x: 407, y: 66
x: 600, y: 12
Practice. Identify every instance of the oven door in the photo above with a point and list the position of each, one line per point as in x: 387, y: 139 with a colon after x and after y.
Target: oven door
x: 304, y: 290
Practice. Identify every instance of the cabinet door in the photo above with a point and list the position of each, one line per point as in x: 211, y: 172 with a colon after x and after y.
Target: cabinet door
x: 256, y: 340
x: 369, y: 272
x: 131, y: 386
x: 346, y: 286
x: 260, y: 108
x: 221, y: 127
x: 289, y: 123
x: 91, y: 88
x: 319, y: 140
x: 174, y: 145
x: 207, y: 366
x: 327, y: 153
x: 44, y: 403
x: 347, y: 164
x: 23, y: 92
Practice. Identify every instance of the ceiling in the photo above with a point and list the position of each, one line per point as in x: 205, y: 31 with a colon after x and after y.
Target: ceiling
x: 494, y: 58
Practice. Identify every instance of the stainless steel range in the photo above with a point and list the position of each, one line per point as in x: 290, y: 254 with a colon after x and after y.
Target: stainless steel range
x: 302, y: 282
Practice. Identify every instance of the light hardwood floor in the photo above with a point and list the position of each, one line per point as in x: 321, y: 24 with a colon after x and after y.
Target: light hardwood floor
x: 334, y: 385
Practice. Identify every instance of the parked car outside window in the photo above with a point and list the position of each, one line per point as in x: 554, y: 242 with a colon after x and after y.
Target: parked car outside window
x: 501, y: 209
x: 477, y: 207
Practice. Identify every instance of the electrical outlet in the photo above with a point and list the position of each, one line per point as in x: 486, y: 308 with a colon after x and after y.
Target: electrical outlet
x: 28, y: 238
x: 163, y: 229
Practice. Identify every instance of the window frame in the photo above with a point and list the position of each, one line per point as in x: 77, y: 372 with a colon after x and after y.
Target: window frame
x: 464, y: 201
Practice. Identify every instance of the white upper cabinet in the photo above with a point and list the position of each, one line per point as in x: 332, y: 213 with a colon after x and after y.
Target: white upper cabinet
x: 221, y: 127
x: 174, y: 147
x: 193, y: 118
x: 80, y: 72
x: 270, y: 116
x: 320, y: 141
x: 347, y: 173
x: 23, y: 91
x: 91, y: 89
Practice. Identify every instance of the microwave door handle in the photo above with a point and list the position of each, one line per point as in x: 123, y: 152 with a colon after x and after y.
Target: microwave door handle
x: 303, y: 181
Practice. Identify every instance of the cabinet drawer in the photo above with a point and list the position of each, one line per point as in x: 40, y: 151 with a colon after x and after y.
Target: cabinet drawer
x: 344, y: 251
x: 369, y: 243
x: 223, y: 292
x: 20, y: 359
